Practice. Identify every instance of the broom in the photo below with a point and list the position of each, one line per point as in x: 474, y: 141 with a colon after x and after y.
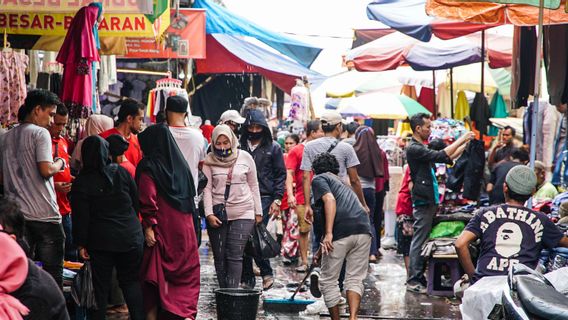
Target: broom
x: 291, y: 305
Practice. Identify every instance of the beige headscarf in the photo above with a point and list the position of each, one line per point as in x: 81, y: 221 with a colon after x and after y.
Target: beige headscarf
x: 212, y: 159
x: 94, y: 125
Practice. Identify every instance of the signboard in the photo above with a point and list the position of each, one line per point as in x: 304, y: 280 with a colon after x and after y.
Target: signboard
x: 185, y: 38
x: 56, y: 24
x: 69, y: 6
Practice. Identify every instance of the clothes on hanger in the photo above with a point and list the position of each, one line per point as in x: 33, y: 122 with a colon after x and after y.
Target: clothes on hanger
x: 479, y: 112
x: 426, y: 98
x: 523, y: 65
x: 498, y: 109
x: 461, y: 107
x: 13, y: 90
x: 555, y: 54
x: 157, y: 97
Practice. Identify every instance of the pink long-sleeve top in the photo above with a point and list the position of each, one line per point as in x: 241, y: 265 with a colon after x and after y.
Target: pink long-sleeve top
x: 244, y: 197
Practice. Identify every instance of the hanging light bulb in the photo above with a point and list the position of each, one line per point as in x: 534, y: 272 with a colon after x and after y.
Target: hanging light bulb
x: 181, y: 75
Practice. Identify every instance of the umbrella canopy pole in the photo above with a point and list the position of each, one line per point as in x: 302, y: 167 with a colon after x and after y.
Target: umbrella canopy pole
x: 534, y: 125
x: 482, y: 62
x: 434, y: 95
x: 452, y: 91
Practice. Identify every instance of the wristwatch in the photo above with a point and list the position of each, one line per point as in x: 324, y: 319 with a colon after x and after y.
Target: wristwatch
x: 278, y: 202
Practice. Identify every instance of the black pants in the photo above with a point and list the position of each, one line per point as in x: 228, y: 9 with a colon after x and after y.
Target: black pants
x: 128, y: 270
x: 378, y: 216
x: 263, y: 264
x: 47, y: 241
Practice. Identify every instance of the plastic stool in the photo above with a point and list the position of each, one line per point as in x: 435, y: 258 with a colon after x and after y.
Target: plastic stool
x: 435, y: 265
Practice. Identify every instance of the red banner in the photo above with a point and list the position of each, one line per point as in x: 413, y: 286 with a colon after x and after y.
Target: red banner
x: 185, y: 38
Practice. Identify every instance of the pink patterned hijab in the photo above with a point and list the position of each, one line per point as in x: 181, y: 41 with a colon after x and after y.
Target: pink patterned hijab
x: 13, y: 273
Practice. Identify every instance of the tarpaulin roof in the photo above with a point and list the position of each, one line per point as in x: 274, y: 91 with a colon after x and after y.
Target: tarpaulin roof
x: 222, y: 21
x: 491, y: 13
x: 236, y: 54
x: 409, y: 17
x: 397, y: 49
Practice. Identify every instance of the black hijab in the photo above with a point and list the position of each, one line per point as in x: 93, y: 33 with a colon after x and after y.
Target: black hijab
x: 94, y: 153
x: 164, y: 162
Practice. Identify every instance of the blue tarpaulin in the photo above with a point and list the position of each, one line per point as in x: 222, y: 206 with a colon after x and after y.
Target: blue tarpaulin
x: 222, y: 21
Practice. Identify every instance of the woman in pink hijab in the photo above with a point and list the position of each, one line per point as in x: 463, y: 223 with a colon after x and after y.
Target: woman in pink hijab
x: 95, y: 124
x: 13, y: 273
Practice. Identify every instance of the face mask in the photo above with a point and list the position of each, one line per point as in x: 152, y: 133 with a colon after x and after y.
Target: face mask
x: 223, y: 153
x: 253, y: 136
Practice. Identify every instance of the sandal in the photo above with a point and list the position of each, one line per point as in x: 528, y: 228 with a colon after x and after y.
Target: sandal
x: 302, y: 269
x: 267, y: 283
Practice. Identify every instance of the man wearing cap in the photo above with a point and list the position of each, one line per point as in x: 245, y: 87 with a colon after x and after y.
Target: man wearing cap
x: 544, y: 189
x: 332, y: 125
x: 233, y: 119
x: 509, y: 233
x: 189, y: 140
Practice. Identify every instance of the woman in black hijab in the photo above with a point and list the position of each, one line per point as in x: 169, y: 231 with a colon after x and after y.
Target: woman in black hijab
x: 106, y: 229
x: 170, y: 267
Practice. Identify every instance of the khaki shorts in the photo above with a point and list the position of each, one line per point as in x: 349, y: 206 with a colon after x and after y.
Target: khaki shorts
x: 301, y: 213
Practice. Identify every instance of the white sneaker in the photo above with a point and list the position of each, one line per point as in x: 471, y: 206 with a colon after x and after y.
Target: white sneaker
x: 388, y: 243
x: 316, y: 308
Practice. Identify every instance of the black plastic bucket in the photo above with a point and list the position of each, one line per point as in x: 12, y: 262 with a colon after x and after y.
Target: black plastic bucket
x: 234, y: 303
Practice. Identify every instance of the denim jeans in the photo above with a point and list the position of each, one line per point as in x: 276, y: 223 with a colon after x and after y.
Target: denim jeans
x: 228, y: 244
x: 128, y: 271
x: 369, y: 194
x: 263, y: 264
x: 47, y: 241
x: 423, y: 215
x: 70, y: 248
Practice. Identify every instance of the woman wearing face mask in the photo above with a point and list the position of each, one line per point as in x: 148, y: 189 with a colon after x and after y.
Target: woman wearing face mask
x: 232, y: 181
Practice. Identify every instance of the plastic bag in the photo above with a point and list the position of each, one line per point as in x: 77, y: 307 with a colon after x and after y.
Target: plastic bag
x: 82, y: 289
x: 261, y: 244
x: 447, y: 229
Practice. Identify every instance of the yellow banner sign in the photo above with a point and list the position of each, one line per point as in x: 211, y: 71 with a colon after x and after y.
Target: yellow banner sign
x: 67, y: 6
x: 123, y: 25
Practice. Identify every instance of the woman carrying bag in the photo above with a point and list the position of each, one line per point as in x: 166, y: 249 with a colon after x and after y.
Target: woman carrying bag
x: 232, y: 204
x: 106, y: 229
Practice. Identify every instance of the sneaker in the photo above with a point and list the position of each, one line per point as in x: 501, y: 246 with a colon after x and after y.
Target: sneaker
x: 388, y: 243
x: 314, y: 283
x: 315, y: 308
x: 416, y: 288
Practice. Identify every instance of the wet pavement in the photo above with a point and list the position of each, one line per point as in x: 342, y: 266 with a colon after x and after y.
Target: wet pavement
x: 385, y: 295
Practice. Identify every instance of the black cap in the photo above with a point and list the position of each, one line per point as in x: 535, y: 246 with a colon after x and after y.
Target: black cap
x: 176, y: 104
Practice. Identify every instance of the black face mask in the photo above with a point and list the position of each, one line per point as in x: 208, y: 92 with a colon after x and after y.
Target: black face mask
x: 254, y: 136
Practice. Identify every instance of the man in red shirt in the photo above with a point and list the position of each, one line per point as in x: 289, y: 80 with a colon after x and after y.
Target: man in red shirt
x: 62, y: 180
x: 296, y: 200
x: 128, y: 125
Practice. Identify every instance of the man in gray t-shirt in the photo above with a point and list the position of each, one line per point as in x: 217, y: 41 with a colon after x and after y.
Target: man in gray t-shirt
x: 26, y: 171
x: 331, y: 123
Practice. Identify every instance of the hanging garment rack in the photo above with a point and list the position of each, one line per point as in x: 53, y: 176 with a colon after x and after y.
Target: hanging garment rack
x: 7, y: 47
x: 147, y: 72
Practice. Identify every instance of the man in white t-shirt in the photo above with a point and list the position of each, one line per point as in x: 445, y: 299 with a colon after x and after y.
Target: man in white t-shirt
x: 189, y: 140
x: 26, y: 173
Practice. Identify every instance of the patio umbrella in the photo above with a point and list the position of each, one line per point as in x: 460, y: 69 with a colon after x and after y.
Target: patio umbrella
x: 394, y: 50
x: 498, y: 13
x: 377, y: 105
x: 409, y: 17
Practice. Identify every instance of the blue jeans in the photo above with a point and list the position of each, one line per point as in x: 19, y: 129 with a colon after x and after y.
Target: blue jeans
x: 369, y: 194
x: 263, y: 264
x: 70, y: 248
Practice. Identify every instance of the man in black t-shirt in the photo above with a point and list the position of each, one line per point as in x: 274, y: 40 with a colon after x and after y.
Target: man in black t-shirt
x: 495, y: 185
x: 509, y: 233
x: 347, y: 237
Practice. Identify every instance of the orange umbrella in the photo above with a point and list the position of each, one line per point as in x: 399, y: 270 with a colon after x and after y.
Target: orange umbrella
x: 494, y: 13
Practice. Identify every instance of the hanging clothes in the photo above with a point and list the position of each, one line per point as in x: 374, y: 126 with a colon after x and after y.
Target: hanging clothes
x: 157, y: 97
x: 555, y: 49
x: 523, y: 65
x: 426, y: 98
x: 475, y: 153
x: 549, y: 123
x: 13, y: 91
x: 34, y: 67
x: 77, y: 54
x: 443, y: 99
x: 479, y: 113
x: 462, y: 107
x: 498, y: 109
x: 409, y: 91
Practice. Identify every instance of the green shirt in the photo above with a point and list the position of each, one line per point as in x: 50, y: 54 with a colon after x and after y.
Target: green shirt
x: 547, y: 191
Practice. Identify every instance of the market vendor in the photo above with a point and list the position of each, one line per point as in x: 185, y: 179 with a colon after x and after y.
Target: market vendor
x: 502, y: 151
x: 544, y: 189
x: 509, y: 232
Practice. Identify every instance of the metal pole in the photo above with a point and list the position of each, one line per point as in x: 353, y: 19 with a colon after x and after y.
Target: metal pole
x: 452, y: 91
x: 482, y: 61
x: 534, y: 125
x: 434, y: 95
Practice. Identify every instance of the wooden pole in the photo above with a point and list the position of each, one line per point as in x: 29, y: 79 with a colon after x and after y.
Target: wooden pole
x: 434, y: 95
x: 452, y: 91
x: 482, y: 62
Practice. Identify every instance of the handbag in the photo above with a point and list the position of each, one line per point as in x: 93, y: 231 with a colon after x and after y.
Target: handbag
x: 261, y: 244
x: 220, y: 210
x: 82, y: 290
